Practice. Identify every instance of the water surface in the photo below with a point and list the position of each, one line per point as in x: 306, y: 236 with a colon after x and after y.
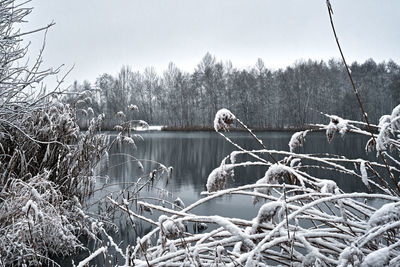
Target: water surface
x: 193, y: 155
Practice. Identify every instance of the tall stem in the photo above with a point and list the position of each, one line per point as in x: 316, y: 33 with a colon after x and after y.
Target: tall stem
x: 330, y: 12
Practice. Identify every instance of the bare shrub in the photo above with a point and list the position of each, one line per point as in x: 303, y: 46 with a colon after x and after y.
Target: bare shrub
x: 46, y: 169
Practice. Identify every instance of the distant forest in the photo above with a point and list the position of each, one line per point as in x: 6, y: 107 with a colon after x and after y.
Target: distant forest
x: 261, y: 97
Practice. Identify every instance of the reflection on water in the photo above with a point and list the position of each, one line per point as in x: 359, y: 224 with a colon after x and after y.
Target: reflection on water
x: 194, y: 155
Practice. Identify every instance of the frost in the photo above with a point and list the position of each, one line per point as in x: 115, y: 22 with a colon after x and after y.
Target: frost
x: 223, y: 120
x: 31, y: 205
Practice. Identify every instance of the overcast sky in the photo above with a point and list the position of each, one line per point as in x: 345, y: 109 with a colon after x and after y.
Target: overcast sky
x: 99, y: 36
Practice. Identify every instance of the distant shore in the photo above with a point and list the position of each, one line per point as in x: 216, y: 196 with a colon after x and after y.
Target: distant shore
x: 233, y: 129
x: 209, y: 129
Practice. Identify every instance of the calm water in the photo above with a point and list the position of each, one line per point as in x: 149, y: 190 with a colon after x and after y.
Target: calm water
x: 194, y: 155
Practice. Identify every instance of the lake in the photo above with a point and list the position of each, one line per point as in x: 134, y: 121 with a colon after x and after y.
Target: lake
x: 193, y: 155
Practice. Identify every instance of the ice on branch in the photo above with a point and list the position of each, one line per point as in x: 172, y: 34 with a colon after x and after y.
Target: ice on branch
x: 223, y: 119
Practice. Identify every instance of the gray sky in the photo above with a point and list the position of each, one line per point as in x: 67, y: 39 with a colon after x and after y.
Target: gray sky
x: 100, y: 36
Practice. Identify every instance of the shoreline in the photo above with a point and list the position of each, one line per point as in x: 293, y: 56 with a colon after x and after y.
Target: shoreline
x: 211, y: 129
x: 233, y: 129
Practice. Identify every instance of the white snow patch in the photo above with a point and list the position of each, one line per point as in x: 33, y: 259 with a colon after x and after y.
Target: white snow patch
x: 336, y: 124
x: 92, y: 256
x: 148, y: 128
x: 377, y: 258
x: 395, y: 118
x: 217, y: 178
x: 383, y: 139
x: 389, y: 212
x: 364, y: 174
x: 297, y: 140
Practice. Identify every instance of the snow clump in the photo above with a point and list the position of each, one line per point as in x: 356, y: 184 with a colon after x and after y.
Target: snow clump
x: 223, y: 119
x: 218, y: 177
x: 297, y: 140
x: 389, y: 212
x: 395, y: 119
x: 377, y: 258
x: 350, y: 256
x: 337, y: 124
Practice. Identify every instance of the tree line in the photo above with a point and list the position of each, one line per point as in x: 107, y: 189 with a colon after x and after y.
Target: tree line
x: 261, y: 97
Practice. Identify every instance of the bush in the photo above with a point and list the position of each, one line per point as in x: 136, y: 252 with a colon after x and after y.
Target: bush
x: 46, y: 169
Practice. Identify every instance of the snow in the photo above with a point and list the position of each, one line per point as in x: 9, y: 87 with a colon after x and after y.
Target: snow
x: 31, y: 205
x: 268, y: 210
x: 377, y: 258
x: 389, y: 212
x: 170, y: 227
x: 179, y: 203
x: 133, y: 107
x: 274, y: 173
x: 327, y: 186
x: 217, y: 178
x: 297, y: 140
x: 220, y: 249
x: 350, y: 255
x: 336, y: 124
x: 92, y: 256
x: 383, y: 139
x: 384, y: 119
x: 364, y: 174
x: 395, y: 119
x: 142, y: 128
x: 233, y: 229
x: 223, y: 119
x: 121, y: 114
